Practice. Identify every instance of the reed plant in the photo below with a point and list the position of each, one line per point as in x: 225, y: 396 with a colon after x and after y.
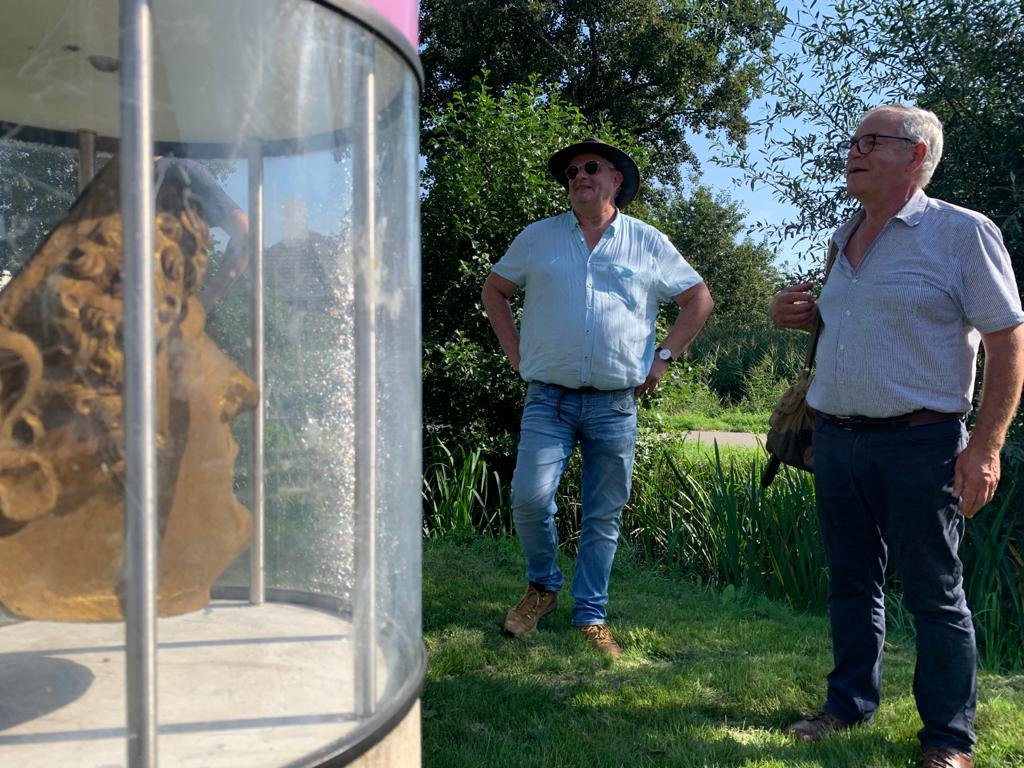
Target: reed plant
x: 706, y: 515
x: 461, y: 494
x: 994, y: 574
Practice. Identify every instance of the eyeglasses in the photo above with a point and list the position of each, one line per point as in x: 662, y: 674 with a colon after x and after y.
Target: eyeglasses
x: 591, y: 167
x: 866, y: 144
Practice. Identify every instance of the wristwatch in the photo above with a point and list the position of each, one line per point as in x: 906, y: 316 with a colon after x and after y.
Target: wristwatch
x: 664, y: 354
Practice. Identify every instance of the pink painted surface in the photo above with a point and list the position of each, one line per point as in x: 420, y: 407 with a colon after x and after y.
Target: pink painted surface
x: 404, y: 14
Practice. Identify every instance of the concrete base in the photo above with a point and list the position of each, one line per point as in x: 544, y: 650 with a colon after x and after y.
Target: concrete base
x: 399, y: 749
x: 239, y: 686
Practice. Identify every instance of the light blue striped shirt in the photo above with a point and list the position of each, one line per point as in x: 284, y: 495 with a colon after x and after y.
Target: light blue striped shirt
x: 902, y: 330
x: 588, y: 317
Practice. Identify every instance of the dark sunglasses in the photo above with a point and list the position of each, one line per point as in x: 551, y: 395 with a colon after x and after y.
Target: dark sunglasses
x: 591, y: 167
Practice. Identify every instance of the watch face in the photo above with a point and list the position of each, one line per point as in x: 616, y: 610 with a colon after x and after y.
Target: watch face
x: 665, y: 355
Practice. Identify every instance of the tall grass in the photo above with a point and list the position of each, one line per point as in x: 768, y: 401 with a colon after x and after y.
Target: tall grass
x: 994, y: 574
x: 708, y: 517
x: 461, y: 494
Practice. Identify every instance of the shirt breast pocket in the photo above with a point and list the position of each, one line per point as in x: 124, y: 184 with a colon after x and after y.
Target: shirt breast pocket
x: 904, y: 300
x: 627, y: 285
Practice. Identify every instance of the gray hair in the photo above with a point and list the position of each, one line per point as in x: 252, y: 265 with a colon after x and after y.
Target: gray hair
x: 919, y: 125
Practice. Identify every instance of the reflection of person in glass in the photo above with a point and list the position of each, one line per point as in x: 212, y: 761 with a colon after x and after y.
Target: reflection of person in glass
x: 220, y: 211
x: 594, y: 278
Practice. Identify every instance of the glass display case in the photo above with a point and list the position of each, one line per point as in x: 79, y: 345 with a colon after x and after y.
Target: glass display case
x: 210, y: 433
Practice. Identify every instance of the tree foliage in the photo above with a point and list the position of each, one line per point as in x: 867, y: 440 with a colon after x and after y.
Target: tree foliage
x: 958, y: 58
x: 740, y: 274
x: 653, y: 68
x: 38, y: 184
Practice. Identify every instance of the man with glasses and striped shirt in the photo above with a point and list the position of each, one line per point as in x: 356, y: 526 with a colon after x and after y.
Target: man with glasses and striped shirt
x: 593, y: 279
x: 917, y: 284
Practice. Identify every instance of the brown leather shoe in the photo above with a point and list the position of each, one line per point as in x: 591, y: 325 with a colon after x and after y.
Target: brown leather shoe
x: 535, y: 605
x: 599, y: 636
x: 945, y: 757
x: 817, y: 726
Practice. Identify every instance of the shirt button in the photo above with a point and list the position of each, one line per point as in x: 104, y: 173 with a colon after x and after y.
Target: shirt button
x: 847, y: 313
x: 856, y: 279
x: 842, y: 347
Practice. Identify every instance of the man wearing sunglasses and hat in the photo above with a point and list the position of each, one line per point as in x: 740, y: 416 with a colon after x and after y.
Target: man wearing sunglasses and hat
x: 593, y: 279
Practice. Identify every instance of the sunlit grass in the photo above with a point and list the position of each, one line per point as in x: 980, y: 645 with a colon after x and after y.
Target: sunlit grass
x: 708, y: 678
x: 726, y: 420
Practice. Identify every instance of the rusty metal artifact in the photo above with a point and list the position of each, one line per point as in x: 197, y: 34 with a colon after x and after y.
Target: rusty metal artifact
x: 61, y: 423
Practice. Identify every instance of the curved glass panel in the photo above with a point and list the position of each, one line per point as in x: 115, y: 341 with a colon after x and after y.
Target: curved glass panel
x: 286, y: 261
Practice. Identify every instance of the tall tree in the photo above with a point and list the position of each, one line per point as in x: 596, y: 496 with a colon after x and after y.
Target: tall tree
x: 653, y: 68
x: 959, y: 58
x: 706, y: 229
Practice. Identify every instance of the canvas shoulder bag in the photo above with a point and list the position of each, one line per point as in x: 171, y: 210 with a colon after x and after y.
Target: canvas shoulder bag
x: 791, y: 426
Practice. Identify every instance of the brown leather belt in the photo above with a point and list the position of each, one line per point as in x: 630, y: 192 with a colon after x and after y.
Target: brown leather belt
x: 890, y: 423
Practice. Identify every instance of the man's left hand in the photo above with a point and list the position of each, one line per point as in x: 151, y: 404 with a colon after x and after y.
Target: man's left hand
x: 658, y: 368
x: 975, y: 478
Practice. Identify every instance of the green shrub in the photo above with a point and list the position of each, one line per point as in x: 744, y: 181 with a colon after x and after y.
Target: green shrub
x: 742, y: 365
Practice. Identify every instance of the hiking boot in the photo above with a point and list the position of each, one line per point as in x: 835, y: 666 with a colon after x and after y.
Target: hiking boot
x: 817, y: 726
x: 536, y: 604
x: 945, y: 757
x: 599, y: 636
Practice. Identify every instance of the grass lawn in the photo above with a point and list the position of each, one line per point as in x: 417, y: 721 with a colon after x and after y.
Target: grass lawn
x: 690, y: 421
x: 707, y: 678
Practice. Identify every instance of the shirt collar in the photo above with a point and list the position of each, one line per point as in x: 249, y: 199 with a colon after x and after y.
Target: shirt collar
x: 609, y: 231
x: 910, y: 214
x: 843, y: 233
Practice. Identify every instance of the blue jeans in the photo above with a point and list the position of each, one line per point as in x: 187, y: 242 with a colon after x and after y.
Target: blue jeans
x: 554, y: 420
x: 880, y: 494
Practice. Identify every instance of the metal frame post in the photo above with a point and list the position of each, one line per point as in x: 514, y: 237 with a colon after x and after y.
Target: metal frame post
x: 257, y: 571
x: 364, y: 594
x: 140, y: 501
x: 86, y: 158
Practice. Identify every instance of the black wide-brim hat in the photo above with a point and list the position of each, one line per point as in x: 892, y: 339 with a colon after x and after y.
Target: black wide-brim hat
x: 623, y: 163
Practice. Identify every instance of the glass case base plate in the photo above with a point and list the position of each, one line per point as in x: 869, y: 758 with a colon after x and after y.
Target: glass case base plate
x: 238, y: 686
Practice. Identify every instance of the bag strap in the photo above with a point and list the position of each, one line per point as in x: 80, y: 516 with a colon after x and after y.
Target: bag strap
x: 812, y: 343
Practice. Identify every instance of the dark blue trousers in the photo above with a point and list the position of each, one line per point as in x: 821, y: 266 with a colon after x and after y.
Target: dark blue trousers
x: 880, y: 495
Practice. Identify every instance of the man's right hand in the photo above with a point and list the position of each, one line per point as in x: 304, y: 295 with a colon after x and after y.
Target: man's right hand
x: 794, y: 307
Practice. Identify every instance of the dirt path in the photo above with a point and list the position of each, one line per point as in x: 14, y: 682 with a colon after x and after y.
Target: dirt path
x: 744, y: 439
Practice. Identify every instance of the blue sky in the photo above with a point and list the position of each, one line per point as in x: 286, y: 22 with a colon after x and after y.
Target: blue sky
x: 759, y: 203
